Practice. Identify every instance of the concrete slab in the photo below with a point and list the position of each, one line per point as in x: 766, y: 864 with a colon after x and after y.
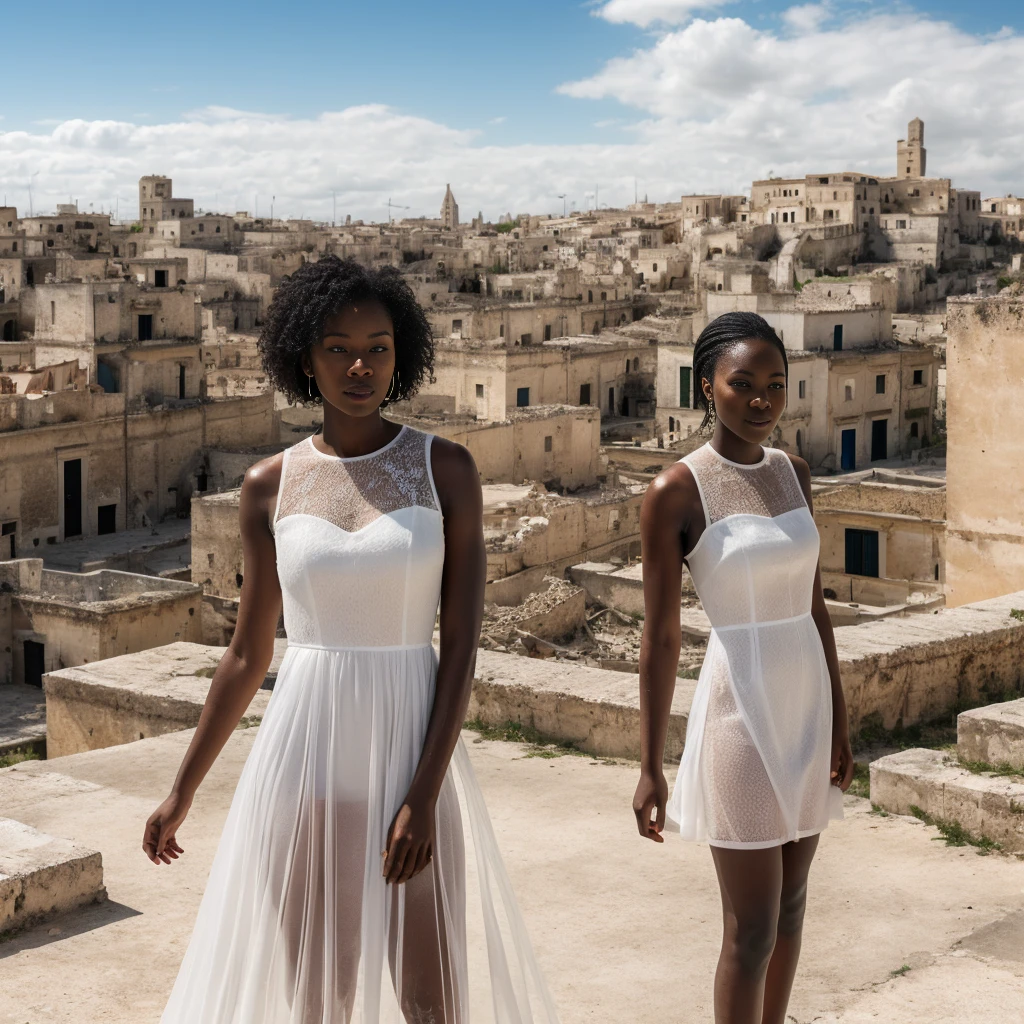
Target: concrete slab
x: 41, y: 876
x: 22, y: 718
x: 129, y: 550
x: 984, y: 804
x: 610, y: 915
x: 132, y: 697
x: 994, y: 734
x: 596, y: 710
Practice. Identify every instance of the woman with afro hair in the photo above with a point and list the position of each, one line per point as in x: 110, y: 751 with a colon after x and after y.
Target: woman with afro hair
x: 767, y: 754
x: 357, y: 879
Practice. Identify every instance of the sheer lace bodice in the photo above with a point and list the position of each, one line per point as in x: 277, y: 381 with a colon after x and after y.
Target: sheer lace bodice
x: 360, y: 545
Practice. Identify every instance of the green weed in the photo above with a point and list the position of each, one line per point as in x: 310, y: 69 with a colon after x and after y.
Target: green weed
x: 17, y: 756
x: 954, y: 834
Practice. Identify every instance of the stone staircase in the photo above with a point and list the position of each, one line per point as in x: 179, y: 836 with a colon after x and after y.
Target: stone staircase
x: 980, y: 787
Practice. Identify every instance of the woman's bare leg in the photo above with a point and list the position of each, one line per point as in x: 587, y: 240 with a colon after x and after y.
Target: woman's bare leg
x: 751, y: 887
x: 796, y: 864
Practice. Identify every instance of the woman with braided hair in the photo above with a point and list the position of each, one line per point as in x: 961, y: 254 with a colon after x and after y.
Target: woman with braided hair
x: 357, y: 879
x: 767, y: 753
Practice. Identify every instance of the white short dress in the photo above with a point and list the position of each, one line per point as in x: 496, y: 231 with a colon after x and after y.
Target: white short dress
x: 756, y: 764
x: 297, y: 925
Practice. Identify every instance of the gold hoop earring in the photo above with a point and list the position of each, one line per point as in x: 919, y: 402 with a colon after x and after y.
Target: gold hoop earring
x: 391, y: 388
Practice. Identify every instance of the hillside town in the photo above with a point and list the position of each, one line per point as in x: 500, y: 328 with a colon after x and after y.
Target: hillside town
x: 133, y: 401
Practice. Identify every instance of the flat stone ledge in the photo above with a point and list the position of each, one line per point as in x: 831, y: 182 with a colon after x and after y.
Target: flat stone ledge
x: 994, y: 734
x: 22, y: 718
x: 41, y: 876
x: 596, y: 710
x: 985, y: 805
x: 133, y: 697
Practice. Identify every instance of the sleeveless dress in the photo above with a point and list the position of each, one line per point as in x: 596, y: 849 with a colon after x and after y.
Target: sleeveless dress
x: 756, y: 763
x: 297, y: 925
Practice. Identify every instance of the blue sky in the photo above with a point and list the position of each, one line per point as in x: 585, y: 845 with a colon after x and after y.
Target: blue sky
x: 536, y: 97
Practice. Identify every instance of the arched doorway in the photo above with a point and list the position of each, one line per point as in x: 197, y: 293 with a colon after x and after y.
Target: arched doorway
x: 9, y: 330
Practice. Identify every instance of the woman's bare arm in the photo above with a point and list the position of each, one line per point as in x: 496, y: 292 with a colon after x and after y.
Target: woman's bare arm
x: 242, y: 668
x: 664, y: 520
x: 410, y: 843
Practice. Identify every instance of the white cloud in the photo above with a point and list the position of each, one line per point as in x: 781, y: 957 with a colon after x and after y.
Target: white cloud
x: 497, y: 120
x: 646, y: 12
x: 717, y: 104
x: 827, y: 91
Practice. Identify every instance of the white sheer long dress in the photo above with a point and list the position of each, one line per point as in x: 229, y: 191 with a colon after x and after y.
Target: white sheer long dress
x: 297, y: 925
x: 756, y: 764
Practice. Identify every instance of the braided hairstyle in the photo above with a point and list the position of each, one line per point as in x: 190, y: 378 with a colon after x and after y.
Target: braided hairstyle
x: 720, y: 335
x: 315, y: 292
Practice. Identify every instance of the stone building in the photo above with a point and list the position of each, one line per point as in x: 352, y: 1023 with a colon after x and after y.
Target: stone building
x: 69, y: 229
x: 157, y: 203
x: 985, y: 424
x: 489, y: 379
x: 52, y: 620
x: 911, y: 156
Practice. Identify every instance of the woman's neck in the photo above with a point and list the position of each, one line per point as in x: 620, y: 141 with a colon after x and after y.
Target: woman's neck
x: 350, y: 436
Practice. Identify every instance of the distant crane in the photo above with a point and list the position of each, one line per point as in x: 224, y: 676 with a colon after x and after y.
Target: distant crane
x: 394, y: 206
x: 562, y: 195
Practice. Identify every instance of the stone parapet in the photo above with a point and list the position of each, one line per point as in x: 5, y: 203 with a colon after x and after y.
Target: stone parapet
x: 993, y: 734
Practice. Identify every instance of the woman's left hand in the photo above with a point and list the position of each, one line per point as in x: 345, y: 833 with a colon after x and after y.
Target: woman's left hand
x: 410, y: 844
x: 842, y: 760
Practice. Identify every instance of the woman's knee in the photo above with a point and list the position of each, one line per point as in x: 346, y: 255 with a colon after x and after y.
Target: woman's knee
x: 792, y: 905
x: 753, y: 938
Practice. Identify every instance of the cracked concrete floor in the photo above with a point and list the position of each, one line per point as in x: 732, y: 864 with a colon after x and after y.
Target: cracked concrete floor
x: 626, y: 931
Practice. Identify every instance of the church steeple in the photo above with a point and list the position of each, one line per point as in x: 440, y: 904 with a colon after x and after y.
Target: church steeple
x: 449, y: 211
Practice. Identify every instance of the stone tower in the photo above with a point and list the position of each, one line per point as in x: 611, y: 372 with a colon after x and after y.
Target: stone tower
x: 449, y: 211
x: 911, y: 155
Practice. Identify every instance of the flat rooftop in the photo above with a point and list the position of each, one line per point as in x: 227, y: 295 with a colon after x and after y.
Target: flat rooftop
x: 899, y: 927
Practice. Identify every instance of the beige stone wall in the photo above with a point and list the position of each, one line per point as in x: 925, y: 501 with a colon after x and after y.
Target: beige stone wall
x: 870, y: 496
x: 985, y: 427
x: 157, y: 468
x: 909, y: 548
x: 217, y: 544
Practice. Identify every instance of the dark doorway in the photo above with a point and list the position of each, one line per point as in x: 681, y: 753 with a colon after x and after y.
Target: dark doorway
x: 9, y: 330
x: 879, y: 440
x: 584, y: 394
x: 685, y: 387
x: 837, y: 337
x: 848, y: 456
x: 160, y: 278
x: 624, y: 406
x: 106, y: 378
x: 34, y: 663
x: 9, y: 530
x: 145, y: 326
x: 522, y: 397
x: 181, y: 381
x: 106, y: 519
x: 611, y: 401
x: 862, y: 552
x: 72, y: 498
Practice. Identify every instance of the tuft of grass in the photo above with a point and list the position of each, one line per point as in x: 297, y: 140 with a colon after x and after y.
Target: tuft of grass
x: 1017, y: 613
x: 954, y: 834
x: 1003, y: 768
x: 17, y: 756
x: 538, y: 745
x: 900, y: 971
x: 876, y: 810
x: 206, y: 673
x: 861, y: 784
x: 688, y: 673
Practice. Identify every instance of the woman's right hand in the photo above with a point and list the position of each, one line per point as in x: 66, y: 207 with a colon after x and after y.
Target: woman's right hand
x: 158, y: 842
x: 650, y: 798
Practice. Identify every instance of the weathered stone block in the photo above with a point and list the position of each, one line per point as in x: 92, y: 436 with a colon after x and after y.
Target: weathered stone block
x: 994, y: 734
x: 41, y: 875
x: 132, y: 697
x: 984, y: 804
